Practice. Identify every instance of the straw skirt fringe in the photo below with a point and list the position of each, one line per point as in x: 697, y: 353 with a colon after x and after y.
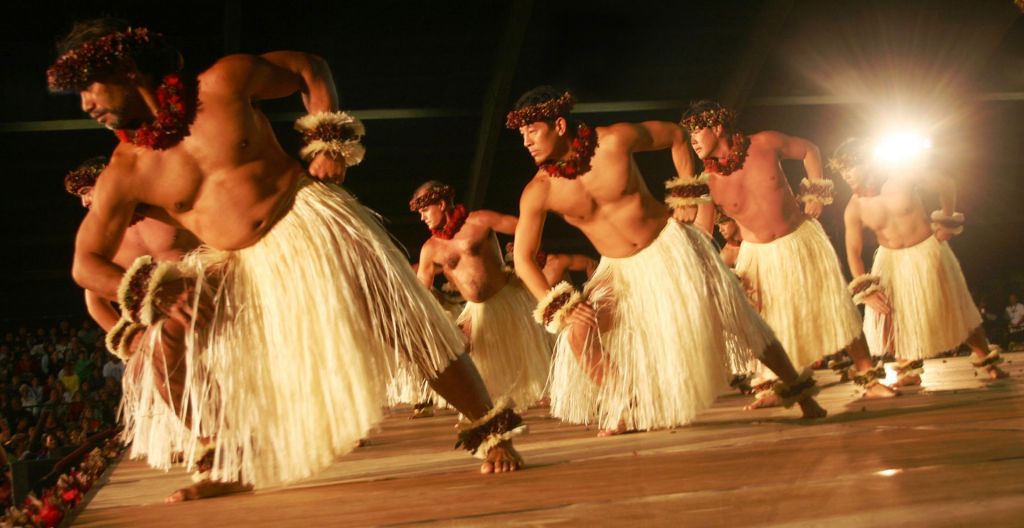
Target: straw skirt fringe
x: 801, y: 292
x: 674, y: 306
x: 309, y: 325
x: 932, y: 309
x: 511, y: 351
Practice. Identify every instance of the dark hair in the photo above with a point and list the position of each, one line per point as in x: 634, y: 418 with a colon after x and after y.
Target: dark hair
x: 703, y: 105
x: 543, y: 94
x: 155, y: 61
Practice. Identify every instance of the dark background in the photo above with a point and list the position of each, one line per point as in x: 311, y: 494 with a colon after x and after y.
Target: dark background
x: 821, y: 70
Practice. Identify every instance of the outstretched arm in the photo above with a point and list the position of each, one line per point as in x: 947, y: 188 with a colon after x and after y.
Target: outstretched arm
x: 946, y: 189
x: 532, y: 214
x: 657, y: 135
x: 498, y: 222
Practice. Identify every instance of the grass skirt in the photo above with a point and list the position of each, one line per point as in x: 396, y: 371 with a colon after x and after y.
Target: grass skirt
x: 511, y: 351
x: 801, y: 292
x: 310, y: 323
x: 932, y: 309
x: 665, y: 356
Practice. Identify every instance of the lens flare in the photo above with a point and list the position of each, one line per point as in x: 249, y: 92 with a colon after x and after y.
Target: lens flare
x: 901, y: 147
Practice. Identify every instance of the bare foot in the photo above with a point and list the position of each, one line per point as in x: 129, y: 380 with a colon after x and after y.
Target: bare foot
x: 769, y: 399
x: 206, y: 489
x: 907, y: 381
x: 879, y: 391
x: 995, y: 373
x: 620, y: 429
x: 811, y: 409
x: 502, y: 458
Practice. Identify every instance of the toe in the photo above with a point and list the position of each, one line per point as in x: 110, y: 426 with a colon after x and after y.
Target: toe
x: 487, y: 468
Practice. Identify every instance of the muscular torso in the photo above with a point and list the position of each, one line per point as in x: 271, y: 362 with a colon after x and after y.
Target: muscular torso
x: 471, y: 261
x: 153, y: 237
x: 895, y: 215
x: 225, y: 181
x: 758, y: 196
x: 610, y: 204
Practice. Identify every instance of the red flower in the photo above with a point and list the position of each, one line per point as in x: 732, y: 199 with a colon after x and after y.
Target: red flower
x: 71, y: 495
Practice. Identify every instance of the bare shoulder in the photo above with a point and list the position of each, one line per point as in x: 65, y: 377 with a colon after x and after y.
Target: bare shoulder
x: 768, y: 138
x: 616, y: 134
x: 230, y: 73
x: 484, y: 217
x: 120, y: 173
x: 853, y: 207
x: 536, y: 191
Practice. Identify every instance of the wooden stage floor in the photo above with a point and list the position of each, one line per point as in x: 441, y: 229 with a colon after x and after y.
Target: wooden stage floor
x: 949, y: 455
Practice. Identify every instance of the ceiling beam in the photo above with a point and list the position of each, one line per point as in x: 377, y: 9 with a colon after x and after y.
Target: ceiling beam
x: 495, y: 103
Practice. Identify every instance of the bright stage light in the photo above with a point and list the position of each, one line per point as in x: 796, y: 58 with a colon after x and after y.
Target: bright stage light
x: 901, y: 147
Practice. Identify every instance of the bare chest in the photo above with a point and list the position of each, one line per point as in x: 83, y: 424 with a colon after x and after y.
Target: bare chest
x: 608, y: 184
x: 760, y: 181
x: 469, y: 246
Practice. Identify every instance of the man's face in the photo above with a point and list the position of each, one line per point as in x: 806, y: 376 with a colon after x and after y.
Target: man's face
x: 543, y: 141
x: 728, y: 229
x: 433, y: 215
x: 705, y: 140
x: 853, y: 176
x: 115, y: 105
x: 86, y: 196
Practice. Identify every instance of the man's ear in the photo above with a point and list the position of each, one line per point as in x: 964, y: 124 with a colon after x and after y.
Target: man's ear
x: 561, y: 125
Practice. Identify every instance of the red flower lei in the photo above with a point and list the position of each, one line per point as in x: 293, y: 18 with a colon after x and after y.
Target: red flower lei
x: 583, y: 147
x: 454, y: 223
x: 178, y: 102
x: 733, y: 163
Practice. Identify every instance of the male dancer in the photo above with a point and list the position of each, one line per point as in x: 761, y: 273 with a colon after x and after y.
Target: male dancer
x: 511, y: 351
x: 786, y: 261
x: 556, y: 266
x: 917, y: 304
x: 165, y: 243
x: 643, y: 347
x: 298, y: 303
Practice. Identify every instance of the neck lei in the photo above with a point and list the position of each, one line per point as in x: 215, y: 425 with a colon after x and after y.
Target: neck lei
x: 578, y: 163
x: 177, y: 102
x: 453, y: 224
x: 732, y: 163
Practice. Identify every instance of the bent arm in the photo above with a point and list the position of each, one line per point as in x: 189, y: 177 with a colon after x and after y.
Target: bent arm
x: 99, y: 236
x: 795, y: 148
x: 101, y: 310
x: 527, y: 241
x: 854, y: 238
x: 658, y: 135
x: 280, y: 74
x: 427, y: 269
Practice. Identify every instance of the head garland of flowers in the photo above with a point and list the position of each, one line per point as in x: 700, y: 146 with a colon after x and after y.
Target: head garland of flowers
x: 84, y: 176
x: 436, y: 194
x: 546, y: 111
x: 847, y: 155
x: 708, y: 119
x: 112, y: 53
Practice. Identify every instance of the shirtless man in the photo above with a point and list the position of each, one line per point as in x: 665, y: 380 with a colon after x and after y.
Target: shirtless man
x: 285, y: 266
x: 511, y: 351
x: 165, y: 243
x: 786, y: 260
x: 730, y: 232
x: 917, y: 304
x: 556, y: 266
x: 643, y: 346
x: 144, y: 236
